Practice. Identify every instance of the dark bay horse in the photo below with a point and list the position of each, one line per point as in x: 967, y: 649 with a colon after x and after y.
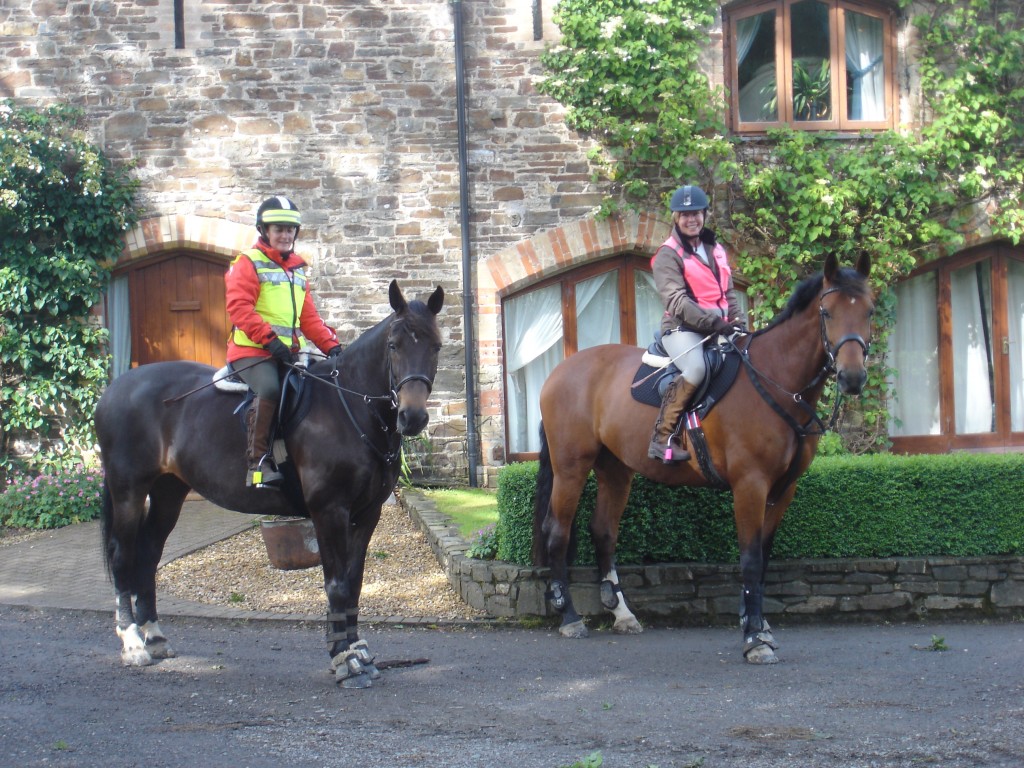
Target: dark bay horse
x: 162, y: 433
x: 760, y: 437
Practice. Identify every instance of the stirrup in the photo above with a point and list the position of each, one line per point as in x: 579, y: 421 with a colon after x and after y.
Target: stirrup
x: 264, y: 478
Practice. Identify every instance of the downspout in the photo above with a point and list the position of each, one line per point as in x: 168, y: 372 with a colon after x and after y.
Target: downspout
x: 467, y: 262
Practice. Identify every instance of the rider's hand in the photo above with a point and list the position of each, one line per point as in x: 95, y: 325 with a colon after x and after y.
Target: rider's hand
x: 334, y: 351
x: 280, y: 351
x: 722, y: 326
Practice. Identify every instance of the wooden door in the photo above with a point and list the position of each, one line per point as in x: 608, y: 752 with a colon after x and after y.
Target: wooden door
x: 178, y: 311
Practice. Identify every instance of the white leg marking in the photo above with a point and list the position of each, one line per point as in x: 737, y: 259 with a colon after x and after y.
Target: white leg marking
x: 625, y: 622
x: 134, y: 653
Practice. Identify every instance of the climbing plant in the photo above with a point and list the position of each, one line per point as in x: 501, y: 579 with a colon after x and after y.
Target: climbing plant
x: 63, y: 208
x: 628, y: 72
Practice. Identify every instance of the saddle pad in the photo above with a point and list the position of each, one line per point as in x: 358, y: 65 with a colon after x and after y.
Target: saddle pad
x: 647, y: 392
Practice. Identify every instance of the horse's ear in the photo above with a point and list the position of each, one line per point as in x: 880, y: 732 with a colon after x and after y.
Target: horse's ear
x: 864, y: 263
x: 398, y: 302
x: 831, y: 267
x: 436, y: 300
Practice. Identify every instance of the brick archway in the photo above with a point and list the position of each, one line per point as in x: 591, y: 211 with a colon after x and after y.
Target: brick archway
x: 527, y: 262
x: 205, y: 234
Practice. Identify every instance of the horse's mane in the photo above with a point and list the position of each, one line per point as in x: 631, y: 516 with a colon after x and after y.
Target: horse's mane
x: 847, y: 280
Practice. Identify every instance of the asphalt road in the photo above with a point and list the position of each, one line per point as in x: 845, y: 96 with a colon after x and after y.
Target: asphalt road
x: 259, y: 694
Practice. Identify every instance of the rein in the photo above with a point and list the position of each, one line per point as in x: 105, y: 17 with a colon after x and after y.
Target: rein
x: 394, y: 454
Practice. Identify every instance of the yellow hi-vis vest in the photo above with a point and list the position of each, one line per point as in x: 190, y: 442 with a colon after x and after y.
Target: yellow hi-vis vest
x: 282, y: 294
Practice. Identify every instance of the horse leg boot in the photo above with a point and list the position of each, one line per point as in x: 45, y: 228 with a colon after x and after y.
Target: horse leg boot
x: 673, y: 404
x: 260, y: 421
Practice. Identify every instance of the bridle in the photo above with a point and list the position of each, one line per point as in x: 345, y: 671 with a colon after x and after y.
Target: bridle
x: 832, y: 351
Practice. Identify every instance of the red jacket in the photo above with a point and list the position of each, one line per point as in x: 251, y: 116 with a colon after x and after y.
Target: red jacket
x: 242, y: 288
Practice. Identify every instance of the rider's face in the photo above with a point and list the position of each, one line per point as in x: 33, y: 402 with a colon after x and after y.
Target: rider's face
x: 690, y: 222
x: 281, y: 236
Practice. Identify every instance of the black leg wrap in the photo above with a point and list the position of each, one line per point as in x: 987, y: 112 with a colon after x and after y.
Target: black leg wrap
x: 610, y: 594
x: 558, y: 594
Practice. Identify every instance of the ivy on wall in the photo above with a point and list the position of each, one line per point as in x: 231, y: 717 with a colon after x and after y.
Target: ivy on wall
x: 627, y: 71
x: 63, y: 210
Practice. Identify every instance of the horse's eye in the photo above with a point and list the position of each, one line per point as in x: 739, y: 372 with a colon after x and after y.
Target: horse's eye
x: 437, y: 349
x: 826, y: 314
x: 392, y: 346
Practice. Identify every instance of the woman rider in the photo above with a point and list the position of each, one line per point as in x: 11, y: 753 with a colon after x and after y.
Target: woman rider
x: 272, y: 309
x: 692, y: 275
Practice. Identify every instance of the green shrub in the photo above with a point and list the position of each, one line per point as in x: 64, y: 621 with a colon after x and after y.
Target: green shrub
x: 878, y: 505
x: 52, y: 500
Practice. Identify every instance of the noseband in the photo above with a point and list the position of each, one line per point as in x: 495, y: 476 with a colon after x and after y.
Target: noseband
x: 830, y: 350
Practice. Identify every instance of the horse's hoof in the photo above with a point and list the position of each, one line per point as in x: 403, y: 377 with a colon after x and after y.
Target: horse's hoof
x: 574, y: 631
x: 160, y: 649
x: 628, y: 626
x: 761, y: 654
x: 136, y: 657
x: 361, y: 680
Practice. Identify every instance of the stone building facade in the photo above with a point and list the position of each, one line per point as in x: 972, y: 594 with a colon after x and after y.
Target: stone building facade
x: 351, y: 109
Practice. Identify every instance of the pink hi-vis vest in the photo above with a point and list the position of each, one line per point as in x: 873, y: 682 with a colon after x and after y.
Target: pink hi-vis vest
x: 707, y: 290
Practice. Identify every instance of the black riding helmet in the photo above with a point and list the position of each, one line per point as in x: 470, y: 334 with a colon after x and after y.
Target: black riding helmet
x: 277, y: 210
x: 689, y: 198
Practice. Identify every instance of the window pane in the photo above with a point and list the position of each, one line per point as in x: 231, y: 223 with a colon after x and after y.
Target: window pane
x: 914, y: 357
x: 812, y: 52
x: 755, y: 63
x: 1015, y: 319
x: 597, y: 311
x: 971, y: 315
x: 533, y: 347
x: 648, y: 308
x: 865, y: 67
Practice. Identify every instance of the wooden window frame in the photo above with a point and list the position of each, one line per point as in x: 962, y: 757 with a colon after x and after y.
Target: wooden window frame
x: 1003, y: 438
x: 784, y: 66
x: 627, y: 265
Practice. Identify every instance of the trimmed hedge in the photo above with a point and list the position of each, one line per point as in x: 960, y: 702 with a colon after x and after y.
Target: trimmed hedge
x: 882, y: 505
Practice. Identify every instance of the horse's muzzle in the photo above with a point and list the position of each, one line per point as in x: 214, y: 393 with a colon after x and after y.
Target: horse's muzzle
x: 851, y: 381
x: 412, y: 421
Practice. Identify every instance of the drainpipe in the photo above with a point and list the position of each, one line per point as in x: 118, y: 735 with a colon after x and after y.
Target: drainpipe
x: 467, y: 262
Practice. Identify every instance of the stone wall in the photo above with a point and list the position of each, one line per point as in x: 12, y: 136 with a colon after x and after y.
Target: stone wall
x: 895, y: 589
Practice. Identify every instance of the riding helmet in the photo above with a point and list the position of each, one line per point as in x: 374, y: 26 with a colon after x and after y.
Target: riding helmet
x: 689, y: 198
x: 277, y: 210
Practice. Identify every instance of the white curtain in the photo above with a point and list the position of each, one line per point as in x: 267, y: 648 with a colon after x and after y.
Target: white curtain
x: 972, y: 351
x: 120, y: 326
x: 864, y: 65
x: 757, y: 91
x: 914, y: 356
x: 597, y: 311
x: 1015, y: 318
x: 648, y: 308
x: 533, y: 347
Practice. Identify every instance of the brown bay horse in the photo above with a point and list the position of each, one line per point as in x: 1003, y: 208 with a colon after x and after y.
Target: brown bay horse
x: 761, y: 435
x: 162, y: 432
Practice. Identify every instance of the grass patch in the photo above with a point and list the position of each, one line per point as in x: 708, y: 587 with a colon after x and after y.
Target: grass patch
x: 472, y: 509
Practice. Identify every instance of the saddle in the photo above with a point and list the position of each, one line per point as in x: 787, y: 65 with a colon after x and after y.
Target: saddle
x: 656, y: 372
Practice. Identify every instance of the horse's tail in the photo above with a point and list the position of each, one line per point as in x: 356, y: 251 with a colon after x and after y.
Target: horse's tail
x: 542, y: 502
x: 107, y: 525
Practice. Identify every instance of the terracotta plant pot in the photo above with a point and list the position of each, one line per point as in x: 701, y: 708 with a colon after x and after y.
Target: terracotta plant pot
x: 291, y: 543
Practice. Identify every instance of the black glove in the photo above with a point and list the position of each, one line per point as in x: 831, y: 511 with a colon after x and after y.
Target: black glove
x: 334, y: 351
x: 727, y: 328
x: 280, y: 351
x: 722, y: 326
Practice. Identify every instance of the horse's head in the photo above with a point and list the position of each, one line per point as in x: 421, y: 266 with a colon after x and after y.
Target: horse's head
x: 846, y: 307
x: 414, y: 342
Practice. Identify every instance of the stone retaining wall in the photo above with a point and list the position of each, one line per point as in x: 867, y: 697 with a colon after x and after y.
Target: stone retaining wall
x: 697, y: 593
